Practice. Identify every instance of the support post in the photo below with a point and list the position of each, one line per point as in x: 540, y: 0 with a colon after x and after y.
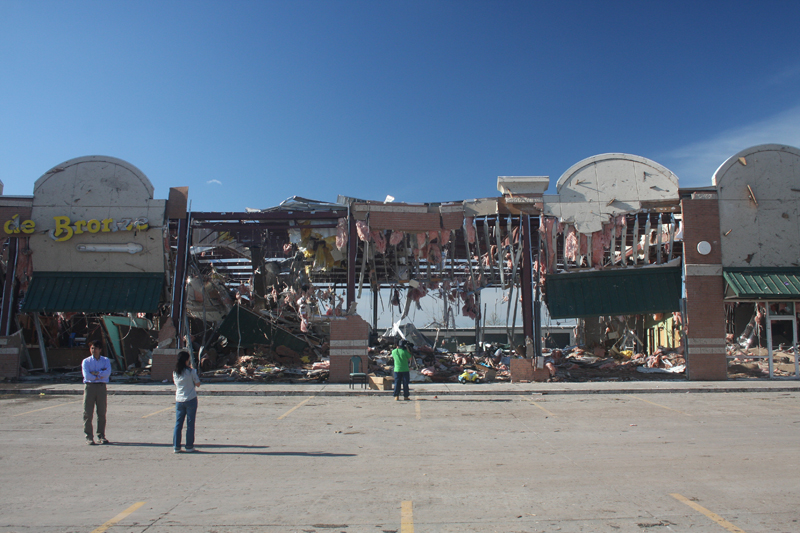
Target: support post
x: 351, y: 258
x: 179, y: 279
x: 39, y: 334
x: 7, y: 310
x: 526, y: 281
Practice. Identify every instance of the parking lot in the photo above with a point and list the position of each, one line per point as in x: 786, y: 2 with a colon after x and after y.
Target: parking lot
x: 515, y: 463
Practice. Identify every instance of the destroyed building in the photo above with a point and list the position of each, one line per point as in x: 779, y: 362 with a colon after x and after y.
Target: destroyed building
x: 652, y: 276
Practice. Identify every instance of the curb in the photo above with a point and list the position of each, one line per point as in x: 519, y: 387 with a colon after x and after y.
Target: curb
x: 686, y: 390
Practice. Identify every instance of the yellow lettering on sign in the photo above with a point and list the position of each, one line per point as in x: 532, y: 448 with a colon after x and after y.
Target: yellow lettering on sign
x: 93, y: 226
x: 79, y: 225
x: 12, y: 226
x: 106, y: 223
x: 28, y: 226
x: 62, y: 226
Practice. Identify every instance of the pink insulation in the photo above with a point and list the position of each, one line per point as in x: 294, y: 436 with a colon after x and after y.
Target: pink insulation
x: 396, y: 238
x: 363, y: 230
x: 380, y: 240
x: 341, y: 234
x: 571, y: 244
x: 470, y: 229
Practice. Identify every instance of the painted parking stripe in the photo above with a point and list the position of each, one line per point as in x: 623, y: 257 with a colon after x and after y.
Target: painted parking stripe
x: 659, y: 405
x: 537, y: 405
x: 713, y: 516
x: 418, y: 409
x: 43, y: 408
x: 119, y: 517
x: 161, y: 411
x: 406, y: 518
x: 299, y: 405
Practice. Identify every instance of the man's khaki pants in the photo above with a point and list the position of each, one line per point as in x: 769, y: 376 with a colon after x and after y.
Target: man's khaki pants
x: 94, y: 394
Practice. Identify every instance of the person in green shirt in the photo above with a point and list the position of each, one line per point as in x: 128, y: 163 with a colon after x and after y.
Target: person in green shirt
x: 402, y: 375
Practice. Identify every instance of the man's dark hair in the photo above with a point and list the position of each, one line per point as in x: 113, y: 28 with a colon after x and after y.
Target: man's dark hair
x: 96, y: 344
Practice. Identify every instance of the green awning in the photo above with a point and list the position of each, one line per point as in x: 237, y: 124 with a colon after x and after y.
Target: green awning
x: 94, y: 292
x: 772, y: 283
x: 625, y: 291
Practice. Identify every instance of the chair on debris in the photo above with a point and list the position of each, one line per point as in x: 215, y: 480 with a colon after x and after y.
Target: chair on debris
x: 356, y: 375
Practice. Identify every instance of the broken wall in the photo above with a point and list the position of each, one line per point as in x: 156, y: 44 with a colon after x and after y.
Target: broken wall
x: 759, y: 207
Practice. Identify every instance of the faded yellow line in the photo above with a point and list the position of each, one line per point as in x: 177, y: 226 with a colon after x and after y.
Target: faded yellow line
x: 161, y: 411
x: 659, y: 405
x: 299, y: 405
x: 406, y: 518
x: 120, y: 516
x: 537, y: 405
x: 713, y: 516
x: 43, y: 408
x: 419, y: 409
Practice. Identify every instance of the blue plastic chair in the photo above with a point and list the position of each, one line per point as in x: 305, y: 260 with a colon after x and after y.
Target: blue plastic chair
x: 356, y: 375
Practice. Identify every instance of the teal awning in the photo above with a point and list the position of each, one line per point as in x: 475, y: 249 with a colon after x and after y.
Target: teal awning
x: 762, y: 283
x: 94, y: 292
x: 624, y: 291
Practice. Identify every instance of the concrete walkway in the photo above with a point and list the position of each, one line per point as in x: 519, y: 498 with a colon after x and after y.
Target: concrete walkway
x: 417, y: 389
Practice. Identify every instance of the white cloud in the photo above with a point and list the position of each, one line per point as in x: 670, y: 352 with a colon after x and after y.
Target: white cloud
x: 214, y: 181
x: 696, y: 163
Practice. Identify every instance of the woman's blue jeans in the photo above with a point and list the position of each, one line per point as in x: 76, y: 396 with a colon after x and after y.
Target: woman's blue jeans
x: 184, y: 410
x: 401, y: 378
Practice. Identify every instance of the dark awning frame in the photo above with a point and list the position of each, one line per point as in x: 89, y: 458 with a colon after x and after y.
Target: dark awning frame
x: 625, y: 291
x: 94, y: 292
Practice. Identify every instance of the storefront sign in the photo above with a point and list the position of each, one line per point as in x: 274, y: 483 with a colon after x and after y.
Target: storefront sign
x: 65, y: 228
x: 16, y: 226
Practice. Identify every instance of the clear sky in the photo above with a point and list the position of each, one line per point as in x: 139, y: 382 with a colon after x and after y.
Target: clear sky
x: 250, y: 102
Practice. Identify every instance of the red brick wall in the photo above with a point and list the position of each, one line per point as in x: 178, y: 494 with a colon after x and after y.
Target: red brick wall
x: 705, y: 354
x: 349, y: 337
x: 164, y: 360
x: 701, y: 223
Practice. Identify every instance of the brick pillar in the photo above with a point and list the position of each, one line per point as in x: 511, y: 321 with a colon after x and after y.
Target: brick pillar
x: 349, y: 337
x: 705, y: 308
x: 9, y: 356
x: 164, y: 360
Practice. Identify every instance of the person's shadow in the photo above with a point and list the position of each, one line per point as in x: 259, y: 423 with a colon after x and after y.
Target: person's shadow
x: 217, y: 449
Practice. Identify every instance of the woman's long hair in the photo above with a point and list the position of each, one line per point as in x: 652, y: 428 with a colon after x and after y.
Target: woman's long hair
x: 181, y: 365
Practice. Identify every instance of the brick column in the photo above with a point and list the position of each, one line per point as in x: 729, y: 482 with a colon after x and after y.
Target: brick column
x: 164, y: 360
x: 349, y: 337
x: 9, y: 356
x: 705, y: 308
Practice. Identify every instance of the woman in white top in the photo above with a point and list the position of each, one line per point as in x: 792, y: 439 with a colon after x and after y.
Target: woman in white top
x: 185, y: 378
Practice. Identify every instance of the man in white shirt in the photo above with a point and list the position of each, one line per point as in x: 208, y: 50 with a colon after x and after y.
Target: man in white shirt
x: 96, y: 371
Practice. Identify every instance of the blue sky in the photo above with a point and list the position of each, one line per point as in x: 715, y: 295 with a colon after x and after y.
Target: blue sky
x: 250, y: 102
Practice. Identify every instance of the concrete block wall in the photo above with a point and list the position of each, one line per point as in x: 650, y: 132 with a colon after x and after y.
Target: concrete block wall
x: 164, y: 360
x: 705, y: 308
x: 349, y: 337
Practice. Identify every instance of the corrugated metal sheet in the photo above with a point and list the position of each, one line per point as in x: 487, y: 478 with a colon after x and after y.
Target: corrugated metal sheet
x: 613, y: 292
x: 762, y: 283
x: 256, y: 329
x: 94, y: 292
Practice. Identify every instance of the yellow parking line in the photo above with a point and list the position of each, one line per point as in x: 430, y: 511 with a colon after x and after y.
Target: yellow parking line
x: 406, y: 518
x: 659, y: 405
x: 713, y: 516
x: 161, y: 411
x: 43, y: 408
x: 287, y: 413
x: 419, y: 411
x: 537, y: 405
x: 120, y: 516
